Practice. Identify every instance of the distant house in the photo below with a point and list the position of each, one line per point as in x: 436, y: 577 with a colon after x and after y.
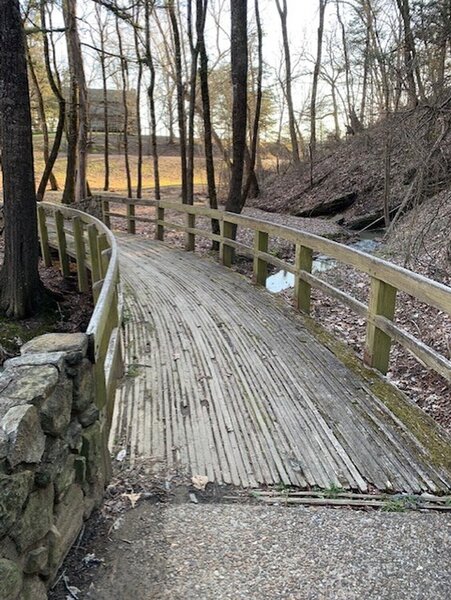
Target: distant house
x: 115, y: 111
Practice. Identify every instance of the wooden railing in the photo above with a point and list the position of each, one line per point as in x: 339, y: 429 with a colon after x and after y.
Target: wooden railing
x: 86, y: 246
x: 386, y: 279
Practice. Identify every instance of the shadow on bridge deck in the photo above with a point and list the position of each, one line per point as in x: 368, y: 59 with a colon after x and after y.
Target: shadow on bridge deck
x: 226, y: 381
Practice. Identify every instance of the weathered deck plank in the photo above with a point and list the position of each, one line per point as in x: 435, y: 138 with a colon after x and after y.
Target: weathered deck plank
x: 226, y: 382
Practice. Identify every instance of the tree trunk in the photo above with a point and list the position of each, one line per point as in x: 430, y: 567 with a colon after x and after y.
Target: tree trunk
x: 319, y: 50
x: 206, y: 114
x: 139, y: 174
x: 42, y: 119
x: 251, y: 187
x: 194, y: 49
x: 409, y: 52
x: 288, y: 92
x: 239, y: 58
x: 106, y: 124
x: 124, y: 76
x: 20, y: 287
x: 151, y: 96
x: 56, y: 89
x: 180, y: 95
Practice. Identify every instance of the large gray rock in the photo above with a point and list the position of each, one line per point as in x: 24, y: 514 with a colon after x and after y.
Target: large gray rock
x: 56, y: 410
x: 68, y: 523
x: 10, y: 579
x: 28, y: 384
x: 26, y: 440
x: 84, y: 386
x: 33, y: 589
x: 36, y: 520
x: 57, y: 342
x: 36, y: 560
x: 14, y: 490
x: 53, y: 359
x: 66, y: 477
x: 4, y: 443
x: 53, y: 461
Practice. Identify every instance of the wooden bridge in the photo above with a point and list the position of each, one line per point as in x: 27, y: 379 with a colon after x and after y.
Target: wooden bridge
x: 226, y: 381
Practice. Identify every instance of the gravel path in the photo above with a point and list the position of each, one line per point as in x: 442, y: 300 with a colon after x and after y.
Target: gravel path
x: 215, y: 552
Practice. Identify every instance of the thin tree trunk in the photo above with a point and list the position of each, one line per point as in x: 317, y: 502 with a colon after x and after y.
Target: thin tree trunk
x: 194, y: 48
x: 206, y: 113
x: 180, y: 95
x: 319, y: 50
x: 124, y: 76
x: 288, y: 91
x: 139, y: 173
x: 151, y: 96
x: 106, y: 123
x: 56, y: 90
x: 42, y: 119
x: 251, y: 177
x: 21, y: 290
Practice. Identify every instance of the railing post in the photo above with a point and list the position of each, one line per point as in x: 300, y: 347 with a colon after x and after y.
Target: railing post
x: 190, y: 238
x: 160, y: 228
x: 302, y: 290
x: 131, y: 224
x: 382, y: 301
x: 102, y: 244
x: 260, y: 265
x: 80, y: 254
x: 93, y: 252
x: 62, y: 246
x: 44, y: 237
x: 226, y: 252
x: 106, y: 213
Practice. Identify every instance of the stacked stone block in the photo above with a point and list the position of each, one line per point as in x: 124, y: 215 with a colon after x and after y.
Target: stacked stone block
x: 54, y: 461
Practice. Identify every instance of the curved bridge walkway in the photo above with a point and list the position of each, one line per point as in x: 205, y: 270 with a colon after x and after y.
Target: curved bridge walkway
x: 225, y: 381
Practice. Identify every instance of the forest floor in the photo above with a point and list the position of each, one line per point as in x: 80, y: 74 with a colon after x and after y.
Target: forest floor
x: 71, y: 312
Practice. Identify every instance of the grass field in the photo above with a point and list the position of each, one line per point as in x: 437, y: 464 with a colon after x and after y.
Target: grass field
x: 169, y: 171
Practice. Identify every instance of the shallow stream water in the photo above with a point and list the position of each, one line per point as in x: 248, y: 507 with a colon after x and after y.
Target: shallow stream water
x: 282, y: 280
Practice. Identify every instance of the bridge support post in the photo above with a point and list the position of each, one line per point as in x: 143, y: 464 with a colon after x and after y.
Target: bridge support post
x: 106, y: 213
x: 382, y: 302
x: 159, y: 234
x: 226, y: 252
x: 131, y: 224
x: 62, y: 244
x: 190, y: 238
x: 302, y: 290
x: 44, y: 237
x: 260, y: 265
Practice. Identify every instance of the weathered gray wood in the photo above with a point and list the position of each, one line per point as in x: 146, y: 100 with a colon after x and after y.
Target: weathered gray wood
x: 232, y: 385
x: 62, y: 245
x: 260, y: 272
x: 190, y: 238
x: 302, y: 289
x: 106, y: 213
x: 226, y: 250
x: 131, y: 227
x: 80, y: 252
x: 382, y: 302
x: 160, y: 226
x: 43, y: 237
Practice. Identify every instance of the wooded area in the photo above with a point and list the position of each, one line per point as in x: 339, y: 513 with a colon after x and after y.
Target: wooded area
x: 210, y: 76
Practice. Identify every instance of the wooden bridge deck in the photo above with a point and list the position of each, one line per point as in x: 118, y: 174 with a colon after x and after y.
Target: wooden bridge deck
x: 225, y: 381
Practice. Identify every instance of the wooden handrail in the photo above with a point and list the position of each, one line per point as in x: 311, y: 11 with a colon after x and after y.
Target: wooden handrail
x: 86, y: 241
x: 386, y: 279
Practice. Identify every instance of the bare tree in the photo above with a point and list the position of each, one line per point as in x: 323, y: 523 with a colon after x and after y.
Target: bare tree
x: 239, y: 58
x: 283, y: 12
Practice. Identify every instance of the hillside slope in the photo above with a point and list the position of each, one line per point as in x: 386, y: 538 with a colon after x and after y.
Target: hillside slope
x: 349, y: 177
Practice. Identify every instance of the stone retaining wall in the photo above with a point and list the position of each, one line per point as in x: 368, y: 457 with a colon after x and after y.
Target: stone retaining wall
x: 54, y: 461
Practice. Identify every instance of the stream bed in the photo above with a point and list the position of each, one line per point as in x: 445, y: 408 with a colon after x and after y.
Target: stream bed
x: 283, y: 280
